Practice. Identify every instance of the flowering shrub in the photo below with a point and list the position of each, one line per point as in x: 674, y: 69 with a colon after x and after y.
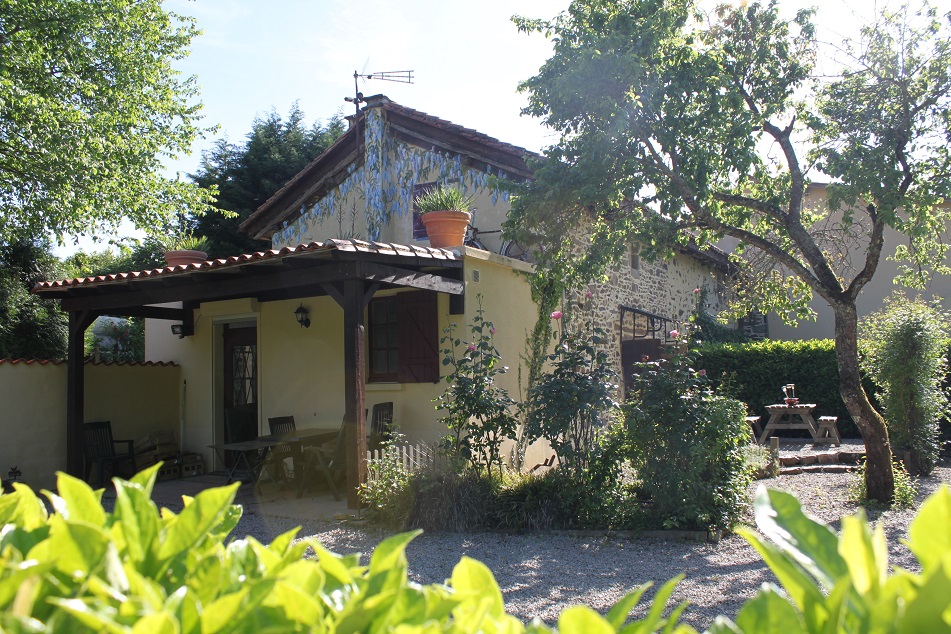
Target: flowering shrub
x: 685, y: 443
x: 478, y: 411
x: 568, y: 404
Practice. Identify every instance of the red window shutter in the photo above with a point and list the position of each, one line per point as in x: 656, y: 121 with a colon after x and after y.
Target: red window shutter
x: 418, y: 337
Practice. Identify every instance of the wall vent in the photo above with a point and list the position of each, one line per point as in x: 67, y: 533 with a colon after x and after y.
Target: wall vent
x: 475, y: 275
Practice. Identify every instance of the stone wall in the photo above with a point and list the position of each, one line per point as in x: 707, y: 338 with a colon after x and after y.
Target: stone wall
x: 662, y: 288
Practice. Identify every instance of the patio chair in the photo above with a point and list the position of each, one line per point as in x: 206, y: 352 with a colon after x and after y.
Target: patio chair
x: 381, y: 425
x: 282, y: 425
x: 100, y: 449
x: 330, y: 462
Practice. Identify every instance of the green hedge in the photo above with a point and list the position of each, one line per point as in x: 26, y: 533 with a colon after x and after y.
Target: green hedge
x: 756, y: 372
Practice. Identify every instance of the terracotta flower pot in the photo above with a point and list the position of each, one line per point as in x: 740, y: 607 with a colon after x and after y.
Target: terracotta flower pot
x: 446, y: 228
x: 178, y: 258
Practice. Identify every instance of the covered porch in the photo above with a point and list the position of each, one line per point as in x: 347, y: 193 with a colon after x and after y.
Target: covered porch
x: 342, y: 273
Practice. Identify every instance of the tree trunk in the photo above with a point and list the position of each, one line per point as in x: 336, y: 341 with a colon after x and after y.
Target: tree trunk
x: 879, y: 479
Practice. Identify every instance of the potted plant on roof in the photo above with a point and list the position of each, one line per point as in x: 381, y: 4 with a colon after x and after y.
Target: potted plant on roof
x: 445, y: 214
x: 185, y: 248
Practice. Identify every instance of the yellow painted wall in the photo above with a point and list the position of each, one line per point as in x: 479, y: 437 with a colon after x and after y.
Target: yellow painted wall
x: 300, y: 370
x: 137, y: 399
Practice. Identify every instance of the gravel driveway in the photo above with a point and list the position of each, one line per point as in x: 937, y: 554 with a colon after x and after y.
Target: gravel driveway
x: 540, y: 575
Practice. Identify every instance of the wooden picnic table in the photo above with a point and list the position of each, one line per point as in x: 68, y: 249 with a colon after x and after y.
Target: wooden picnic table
x: 260, y: 449
x: 782, y: 416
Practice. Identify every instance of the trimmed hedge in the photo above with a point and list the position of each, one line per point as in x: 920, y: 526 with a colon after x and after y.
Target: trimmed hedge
x: 755, y: 373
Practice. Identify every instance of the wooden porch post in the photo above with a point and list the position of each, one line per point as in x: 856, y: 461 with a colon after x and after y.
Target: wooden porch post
x: 75, y: 391
x: 354, y: 392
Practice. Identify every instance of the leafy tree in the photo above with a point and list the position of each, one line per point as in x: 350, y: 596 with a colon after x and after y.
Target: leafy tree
x: 89, y: 106
x: 30, y: 327
x: 905, y: 345
x: 247, y: 175
x: 677, y: 125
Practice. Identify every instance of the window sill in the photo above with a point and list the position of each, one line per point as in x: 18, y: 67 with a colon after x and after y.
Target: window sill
x: 384, y: 387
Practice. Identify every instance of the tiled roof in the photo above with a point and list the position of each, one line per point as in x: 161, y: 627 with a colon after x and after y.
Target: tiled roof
x: 87, y: 362
x: 453, y: 128
x: 351, y: 246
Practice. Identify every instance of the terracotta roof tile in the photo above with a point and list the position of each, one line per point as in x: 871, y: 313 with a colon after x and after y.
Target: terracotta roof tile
x: 468, y: 133
x: 88, y: 362
x: 245, y: 258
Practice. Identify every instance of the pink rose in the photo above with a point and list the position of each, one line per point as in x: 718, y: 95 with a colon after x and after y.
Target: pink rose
x: 492, y: 330
x: 471, y: 347
x: 702, y: 373
x: 588, y: 295
x: 696, y: 290
x: 674, y: 334
x: 556, y: 315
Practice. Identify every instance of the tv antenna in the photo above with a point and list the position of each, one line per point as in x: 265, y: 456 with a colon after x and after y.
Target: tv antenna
x: 399, y: 76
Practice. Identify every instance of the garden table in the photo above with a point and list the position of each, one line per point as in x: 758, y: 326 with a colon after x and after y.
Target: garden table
x: 260, y: 448
x: 784, y: 416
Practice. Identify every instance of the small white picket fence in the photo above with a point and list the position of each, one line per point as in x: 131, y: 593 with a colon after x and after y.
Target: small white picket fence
x: 413, y: 457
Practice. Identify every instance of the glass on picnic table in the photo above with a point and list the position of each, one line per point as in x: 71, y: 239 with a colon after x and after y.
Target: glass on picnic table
x: 789, y: 394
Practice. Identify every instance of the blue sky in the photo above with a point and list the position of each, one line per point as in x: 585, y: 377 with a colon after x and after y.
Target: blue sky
x: 467, y: 58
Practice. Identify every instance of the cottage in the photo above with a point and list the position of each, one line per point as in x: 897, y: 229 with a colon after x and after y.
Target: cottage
x: 346, y: 307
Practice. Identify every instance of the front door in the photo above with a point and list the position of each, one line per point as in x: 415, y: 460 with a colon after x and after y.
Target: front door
x: 240, y: 391
x: 241, y: 366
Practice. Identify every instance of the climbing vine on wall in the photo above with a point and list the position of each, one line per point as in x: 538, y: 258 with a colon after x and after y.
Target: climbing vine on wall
x: 385, y: 182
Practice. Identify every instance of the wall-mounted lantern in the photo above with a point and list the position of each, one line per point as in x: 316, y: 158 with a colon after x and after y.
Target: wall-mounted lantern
x: 302, y: 316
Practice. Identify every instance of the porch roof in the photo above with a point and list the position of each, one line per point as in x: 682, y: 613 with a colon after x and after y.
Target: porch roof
x: 287, y: 273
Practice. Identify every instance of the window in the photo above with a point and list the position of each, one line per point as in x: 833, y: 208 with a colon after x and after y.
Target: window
x: 419, y: 229
x: 635, y: 257
x: 403, y: 338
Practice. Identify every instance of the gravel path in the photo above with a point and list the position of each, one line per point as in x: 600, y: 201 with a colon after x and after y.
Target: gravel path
x: 540, y: 575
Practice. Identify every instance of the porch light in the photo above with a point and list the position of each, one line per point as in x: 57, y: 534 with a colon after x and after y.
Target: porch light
x: 302, y: 317
x: 177, y: 330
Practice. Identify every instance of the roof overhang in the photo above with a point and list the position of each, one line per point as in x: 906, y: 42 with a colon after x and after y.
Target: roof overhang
x: 308, y: 270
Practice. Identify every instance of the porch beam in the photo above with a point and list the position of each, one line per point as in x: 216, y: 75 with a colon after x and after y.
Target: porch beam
x: 384, y: 274
x: 355, y: 423
x: 150, y: 312
x: 79, y: 321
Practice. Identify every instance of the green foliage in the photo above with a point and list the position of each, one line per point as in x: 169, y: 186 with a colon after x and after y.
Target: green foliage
x: 685, y: 444
x: 137, y: 569
x: 676, y: 126
x: 247, y: 174
x: 570, y: 402
x: 755, y: 372
x: 386, y: 494
x: 478, y: 411
x: 905, y: 345
x: 121, y: 257
x: 906, y: 489
x: 444, y: 499
x: 117, y: 340
x: 184, y: 241
x: 442, y: 198
x: 30, y: 327
x: 91, y: 107
x: 841, y: 583
x: 708, y: 328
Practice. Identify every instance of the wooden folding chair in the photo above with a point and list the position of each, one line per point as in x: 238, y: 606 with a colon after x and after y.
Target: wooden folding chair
x: 283, y: 425
x: 100, y: 449
x: 381, y: 425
